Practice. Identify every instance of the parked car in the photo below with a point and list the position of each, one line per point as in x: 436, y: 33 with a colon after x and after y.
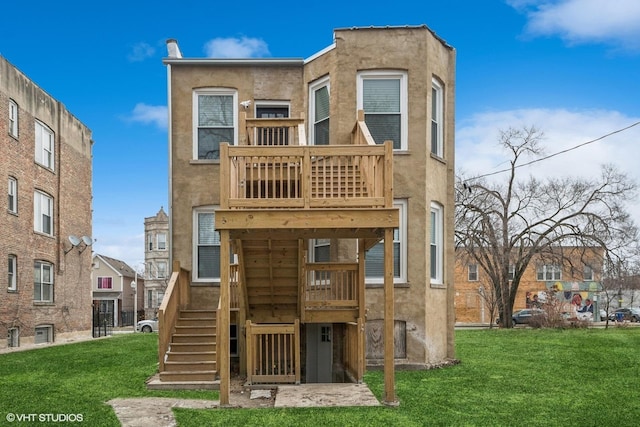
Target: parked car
x: 147, y: 326
x: 527, y: 315
x: 630, y: 314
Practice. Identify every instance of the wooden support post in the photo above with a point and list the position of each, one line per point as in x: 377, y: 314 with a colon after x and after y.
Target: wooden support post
x: 223, y: 327
x: 389, y: 367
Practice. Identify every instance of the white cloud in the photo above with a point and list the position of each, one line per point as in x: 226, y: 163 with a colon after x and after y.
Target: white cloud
x: 150, y: 114
x: 615, y: 23
x: 141, y: 51
x: 231, y: 47
x: 478, y: 151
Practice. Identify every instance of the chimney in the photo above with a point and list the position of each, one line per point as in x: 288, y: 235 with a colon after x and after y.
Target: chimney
x: 173, y: 49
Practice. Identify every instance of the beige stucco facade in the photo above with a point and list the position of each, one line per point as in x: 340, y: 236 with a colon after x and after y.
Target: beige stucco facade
x: 423, y: 307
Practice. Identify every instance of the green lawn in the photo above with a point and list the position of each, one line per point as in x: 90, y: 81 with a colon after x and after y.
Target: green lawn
x: 530, y: 377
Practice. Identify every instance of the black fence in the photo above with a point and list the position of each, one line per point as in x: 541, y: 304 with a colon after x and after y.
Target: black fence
x: 102, y: 323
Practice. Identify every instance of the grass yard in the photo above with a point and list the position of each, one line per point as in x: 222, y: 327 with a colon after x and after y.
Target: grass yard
x: 531, y: 377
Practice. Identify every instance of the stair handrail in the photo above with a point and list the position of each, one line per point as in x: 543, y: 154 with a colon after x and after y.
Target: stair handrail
x: 175, y: 299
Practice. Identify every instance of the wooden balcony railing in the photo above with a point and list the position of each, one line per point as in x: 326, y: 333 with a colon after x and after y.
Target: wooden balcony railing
x: 331, y: 285
x: 338, y: 176
x: 176, y: 298
x: 273, y: 353
x: 275, y: 132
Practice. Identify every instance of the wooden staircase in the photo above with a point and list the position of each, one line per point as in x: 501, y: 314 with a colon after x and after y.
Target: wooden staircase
x: 191, y: 358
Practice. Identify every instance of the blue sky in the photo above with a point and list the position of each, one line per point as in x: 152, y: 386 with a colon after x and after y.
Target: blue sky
x: 569, y: 67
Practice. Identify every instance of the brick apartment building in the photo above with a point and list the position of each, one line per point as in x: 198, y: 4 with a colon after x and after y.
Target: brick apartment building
x: 45, y: 224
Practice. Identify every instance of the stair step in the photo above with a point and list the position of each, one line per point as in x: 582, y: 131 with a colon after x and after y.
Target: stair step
x: 195, y: 347
x: 209, y: 365
x: 177, y: 376
x: 195, y: 329
x: 193, y: 338
x: 209, y: 314
x: 196, y: 321
x: 191, y: 356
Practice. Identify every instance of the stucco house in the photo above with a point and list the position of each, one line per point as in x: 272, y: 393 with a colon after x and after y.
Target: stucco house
x: 311, y: 211
x: 156, y: 257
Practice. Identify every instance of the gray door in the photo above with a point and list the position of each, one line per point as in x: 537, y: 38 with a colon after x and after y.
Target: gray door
x: 319, y: 352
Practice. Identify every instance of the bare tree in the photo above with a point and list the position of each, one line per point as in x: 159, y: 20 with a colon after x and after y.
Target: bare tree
x: 502, y: 225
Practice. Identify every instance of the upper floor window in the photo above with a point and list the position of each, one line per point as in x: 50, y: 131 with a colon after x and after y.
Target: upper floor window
x: 206, y: 257
x: 472, y: 275
x: 162, y: 269
x: 150, y: 241
x: 276, y: 135
x: 43, y: 213
x: 162, y: 241
x: 13, y: 273
x: 319, y: 112
x: 549, y: 272
x: 383, y: 97
x: 436, y: 245
x: 13, y: 118
x: 105, y: 283
x: 215, y: 121
x: 374, y: 257
x: 13, y: 195
x: 512, y: 271
x: 43, y: 282
x: 587, y: 273
x: 437, y: 119
x: 44, y: 146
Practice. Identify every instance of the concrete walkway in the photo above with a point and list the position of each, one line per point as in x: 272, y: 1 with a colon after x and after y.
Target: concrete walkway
x: 157, y: 412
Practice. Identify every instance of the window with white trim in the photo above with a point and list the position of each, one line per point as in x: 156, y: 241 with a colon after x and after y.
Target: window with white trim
x: 159, y: 298
x: 43, y: 281
x: 43, y: 213
x: 436, y: 249
x: 12, y: 280
x: 206, y: 256
x: 374, y: 257
x: 383, y: 97
x: 13, y: 118
x: 162, y: 269
x: 437, y: 118
x: 44, y: 146
x: 150, y: 241
x: 472, y: 275
x: 587, y: 273
x: 162, y: 241
x: 13, y: 195
x: 105, y: 282
x: 320, y: 250
x: 319, y: 112
x: 548, y: 272
x: 149, y: 299
x: 215, y: 121
x: 512, y: 271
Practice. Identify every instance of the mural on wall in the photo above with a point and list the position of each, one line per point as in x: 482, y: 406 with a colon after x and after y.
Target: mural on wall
x: 576, y: 299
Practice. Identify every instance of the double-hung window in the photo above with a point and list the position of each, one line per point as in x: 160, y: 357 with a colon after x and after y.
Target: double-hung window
x: 162, y: 269
x: 319, y: 112
x: 162, y: 241
x: 43, y: 213
x: 587, y: 273
x: 43, y: 282
x: 44, y: 146
x: 13, y: 119
x: 383, y: 97
x: 215, y: 121
x: 437, y: 119
x: 13, y: 195
x: 436, y: 244
x: 206, y: 255
x: 374, y: 257
x: 12, y: 273
x: 472, y: 273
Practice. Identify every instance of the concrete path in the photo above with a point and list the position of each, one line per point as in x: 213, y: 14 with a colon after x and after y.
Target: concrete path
x: 154, y: 411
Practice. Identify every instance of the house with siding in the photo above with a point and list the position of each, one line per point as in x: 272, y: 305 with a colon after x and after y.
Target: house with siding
x: 311, y: 212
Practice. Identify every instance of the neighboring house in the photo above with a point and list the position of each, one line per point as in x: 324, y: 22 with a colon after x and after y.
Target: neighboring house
x: 294, y: 217
x: 113, y: 292
x: 579, y: 274
x: 45, y: 158
x: 156, y: 256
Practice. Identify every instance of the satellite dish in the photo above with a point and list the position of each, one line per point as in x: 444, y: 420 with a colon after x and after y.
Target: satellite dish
x: 74, y: 240
x: 87, y: 240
